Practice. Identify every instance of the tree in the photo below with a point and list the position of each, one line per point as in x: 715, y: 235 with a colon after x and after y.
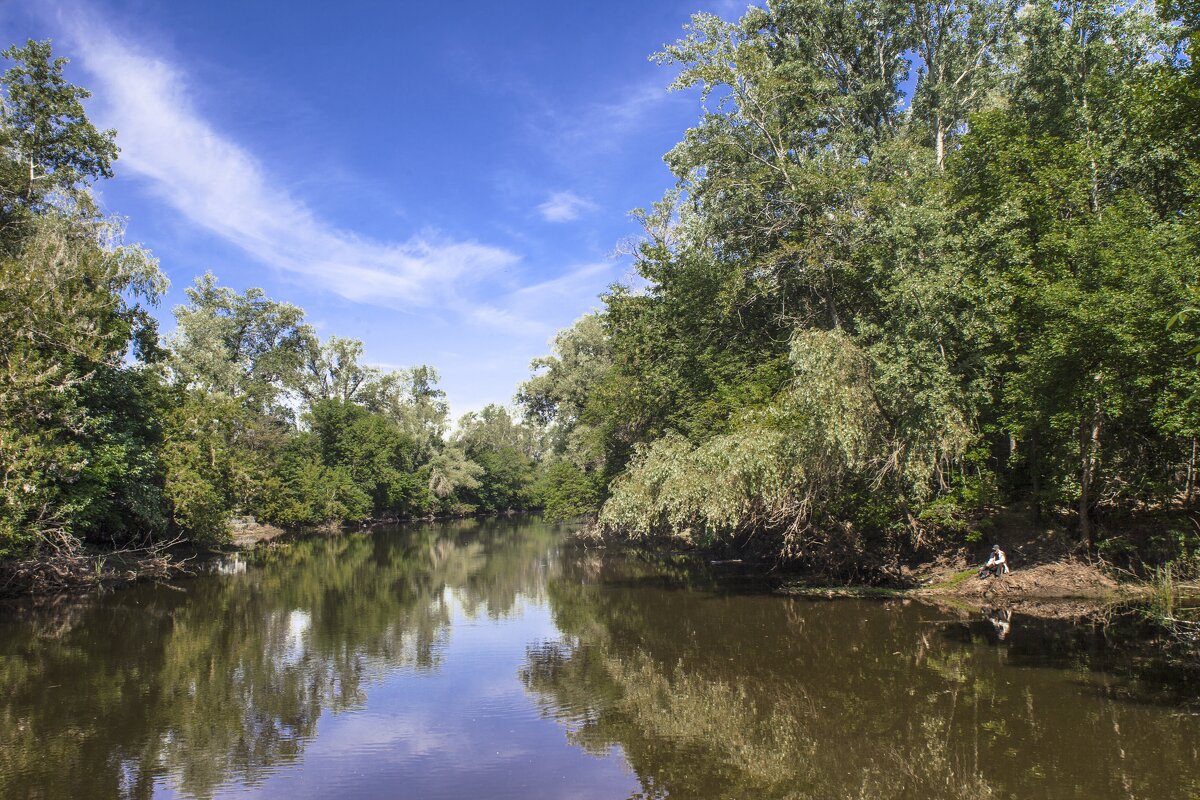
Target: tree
x: 333, y: 371
x: 505, y: 450
x: 70, y: 312
x: 47, y: 132
x: 961, y: 45
x: 412, y: 399
x: 377, y: 455
x: 450, y: 471
x: 558, y: 398
x: 856, y: 325
x: 245, y: 346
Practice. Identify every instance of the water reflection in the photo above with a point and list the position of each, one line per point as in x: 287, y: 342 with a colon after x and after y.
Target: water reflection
x: 484, y: 660
x: 717, y: 695
x: 216, y: 680
x: 1001, y: 619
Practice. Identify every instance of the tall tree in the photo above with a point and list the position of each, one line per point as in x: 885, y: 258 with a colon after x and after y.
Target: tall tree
x: 46, y: 132
x: 333, y: 371
x: 70, y: 312
x: 961, y: 46
x: 245, y: 346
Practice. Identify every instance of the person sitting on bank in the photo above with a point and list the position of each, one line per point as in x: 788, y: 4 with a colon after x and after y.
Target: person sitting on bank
x: 996, y: 566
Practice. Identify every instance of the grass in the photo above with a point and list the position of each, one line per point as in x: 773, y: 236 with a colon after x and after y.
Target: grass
x: 956, y: 580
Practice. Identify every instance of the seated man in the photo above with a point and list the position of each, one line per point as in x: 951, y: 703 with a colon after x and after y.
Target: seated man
x: 996, y: 566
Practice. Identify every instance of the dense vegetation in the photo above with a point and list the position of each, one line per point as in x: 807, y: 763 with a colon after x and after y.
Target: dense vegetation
x: 922, y: 260
x: 109, y: 433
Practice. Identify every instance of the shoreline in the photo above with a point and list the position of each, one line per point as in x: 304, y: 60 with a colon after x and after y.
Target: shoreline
x: 1057, y: 587
x: 79, y: 568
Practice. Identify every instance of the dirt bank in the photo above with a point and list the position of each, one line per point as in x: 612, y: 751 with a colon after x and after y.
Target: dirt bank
x: 1060, y: 580
x: 247, y: 534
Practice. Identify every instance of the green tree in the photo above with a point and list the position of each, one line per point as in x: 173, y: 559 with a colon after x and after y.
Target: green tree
x: 505, y: 450
x: 51, y: 148
x: 961, y: 47
x: 333, y: 371
x: 245, y: 346
x: 412, y: 399
x: 451, y: 472
x: 75, y: 443
x: 377, y: 455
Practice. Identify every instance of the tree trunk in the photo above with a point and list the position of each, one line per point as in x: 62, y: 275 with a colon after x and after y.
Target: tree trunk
x: 1190, y: 487
x: 941, y: 143
x: 1035, y: 476
x: 1089, y: 448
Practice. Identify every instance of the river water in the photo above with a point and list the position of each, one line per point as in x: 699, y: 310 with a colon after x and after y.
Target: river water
x: 487, y: 659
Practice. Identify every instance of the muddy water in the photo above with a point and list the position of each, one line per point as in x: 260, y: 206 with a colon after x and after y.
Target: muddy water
x: 487, y: 660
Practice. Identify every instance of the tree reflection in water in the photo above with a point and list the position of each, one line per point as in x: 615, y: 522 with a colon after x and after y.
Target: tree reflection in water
x: 704, y: 689
x: 718, y: 695
x: 224, y: 679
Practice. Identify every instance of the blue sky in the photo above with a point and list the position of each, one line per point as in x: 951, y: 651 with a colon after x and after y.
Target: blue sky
x: 446, y: 182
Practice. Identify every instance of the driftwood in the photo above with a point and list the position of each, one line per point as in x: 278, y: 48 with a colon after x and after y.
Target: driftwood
x: 62, y: 563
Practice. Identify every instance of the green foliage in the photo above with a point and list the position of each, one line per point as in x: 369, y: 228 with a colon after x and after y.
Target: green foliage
x: 564, y: 399
x: 565, y: 492
x: 245, y: 346
x: 107, y: 434
x: 851, y: 322
x: 450, y: 471
x: 77, y: 447
x: 854, y: 325
x: 202, y: 464
x: 505, y: 452
x: 375, y: 455
x: 52, y: 150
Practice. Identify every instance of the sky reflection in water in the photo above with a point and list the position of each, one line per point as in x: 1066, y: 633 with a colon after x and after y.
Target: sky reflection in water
x: 483, y: 659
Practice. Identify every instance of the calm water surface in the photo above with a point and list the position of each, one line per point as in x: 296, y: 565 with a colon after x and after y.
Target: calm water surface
x: 487, y: 660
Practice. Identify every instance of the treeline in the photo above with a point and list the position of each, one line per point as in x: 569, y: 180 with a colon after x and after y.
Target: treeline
x: 108, y: 432
x: 868, y: 315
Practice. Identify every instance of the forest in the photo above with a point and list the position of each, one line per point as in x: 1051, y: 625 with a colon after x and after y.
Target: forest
x: 115, y: 435
x: 921, y: 262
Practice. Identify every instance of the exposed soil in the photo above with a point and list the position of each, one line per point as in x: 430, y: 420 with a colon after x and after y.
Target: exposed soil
x: 247, y: 535
x: 1061, y: 580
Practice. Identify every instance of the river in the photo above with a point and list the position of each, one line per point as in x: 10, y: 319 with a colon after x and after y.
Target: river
x: 489, y: 659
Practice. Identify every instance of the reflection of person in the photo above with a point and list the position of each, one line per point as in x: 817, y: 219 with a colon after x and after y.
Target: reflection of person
x: 996, y: 566
x: 1001, y: 619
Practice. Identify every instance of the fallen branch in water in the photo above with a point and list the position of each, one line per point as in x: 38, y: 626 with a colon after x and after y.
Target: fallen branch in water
x: 62, y: 563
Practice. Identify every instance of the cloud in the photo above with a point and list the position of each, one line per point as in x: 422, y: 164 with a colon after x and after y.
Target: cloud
x: 731, y: 9
x: 541, y: 308
x: 603, y: 127
x: 564, y: 207
x: 579, y: 282
x: 219, y: 186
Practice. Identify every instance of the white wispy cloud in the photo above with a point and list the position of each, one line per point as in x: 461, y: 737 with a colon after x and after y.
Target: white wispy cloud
x: 564, y: 207
x: 601, y: 128
x: 731, y: 10
x: 571, y: 285
x: 218, y: 185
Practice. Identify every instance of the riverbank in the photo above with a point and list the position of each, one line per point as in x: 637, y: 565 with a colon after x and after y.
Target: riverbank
x: 1062, y: 587
x: 71, y: 566
x: 1051, y: 572
x: 1065, y: 581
